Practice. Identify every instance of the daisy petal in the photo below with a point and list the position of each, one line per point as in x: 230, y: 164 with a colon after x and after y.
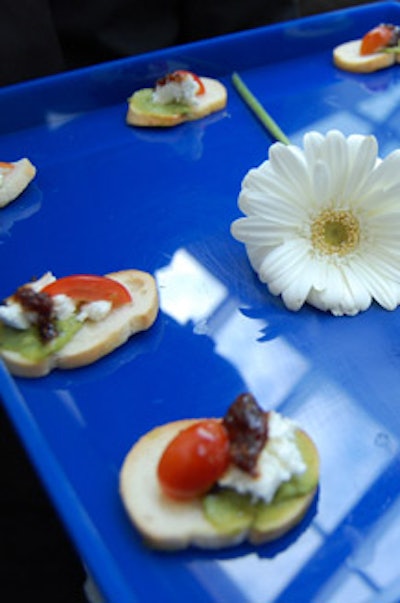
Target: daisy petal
x: 362, y: 159
x: 321, y: 177
x: 268, y: 206
x: 312, y: 143
x: 258, y: 232
x: 295, y: 294
x: 283, y: 270
x: 336, y: 157
x: 384, y: 176
x: 343, y: 295
x: 360, y: 299
x: 385, y: 292
x: 257, y: 254
x: 289, y: 166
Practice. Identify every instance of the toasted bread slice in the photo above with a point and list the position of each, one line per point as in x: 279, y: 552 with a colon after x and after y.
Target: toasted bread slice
x: 143, y: 112
x: 15, y: 177
x: 172, y: 525
x: 96, y: 339
x: 347, y: 57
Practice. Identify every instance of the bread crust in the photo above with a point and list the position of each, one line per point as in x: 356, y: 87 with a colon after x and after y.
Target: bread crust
x: 97, y: 339
x: 214, y: 99
x: 347, y: 57
x: 173, y: 525
x: 17, y: 181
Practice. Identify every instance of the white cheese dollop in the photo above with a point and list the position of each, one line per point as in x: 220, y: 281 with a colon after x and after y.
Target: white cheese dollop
x: 95, y: 311
x: 13, y: 315
x: 277, y: 463
x: 182, y: 91
x: 42, y: 282
x: 63, y: 306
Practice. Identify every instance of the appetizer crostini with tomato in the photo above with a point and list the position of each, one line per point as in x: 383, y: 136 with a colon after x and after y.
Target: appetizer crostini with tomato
x: 213, y: 483
x: 379, y: 48
x: 15, y: 176
x: 177, y: 97
x: 74, y: 320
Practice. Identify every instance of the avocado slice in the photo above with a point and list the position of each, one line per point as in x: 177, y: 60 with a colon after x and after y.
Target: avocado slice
x: 142, y: 101
x: 231, y: 512
x: 28, y: 343
x: 307, y: 481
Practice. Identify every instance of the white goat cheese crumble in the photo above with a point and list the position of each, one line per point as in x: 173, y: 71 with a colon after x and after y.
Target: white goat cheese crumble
x: 96, y: 310
x: 279, y: 460
x: 63, y: 306
x: 42, y: 282
x: 183, y: 91
x: 13, y: 315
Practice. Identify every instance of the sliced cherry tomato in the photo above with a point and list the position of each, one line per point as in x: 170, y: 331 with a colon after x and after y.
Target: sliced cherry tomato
x: 6, y: 165
x: 194, y: 460
x: 88, y: 287
x: 377, y: 38
x: 196, y: 78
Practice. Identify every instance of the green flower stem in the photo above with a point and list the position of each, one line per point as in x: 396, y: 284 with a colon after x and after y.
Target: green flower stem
x: 258, y: 109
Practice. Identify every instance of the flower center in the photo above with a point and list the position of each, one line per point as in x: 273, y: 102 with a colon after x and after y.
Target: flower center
x: 335, y: 232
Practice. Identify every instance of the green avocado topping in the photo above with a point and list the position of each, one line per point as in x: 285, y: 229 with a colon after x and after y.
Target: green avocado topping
x: 28, y: 343
x: 391, y: 49
x: 142, y: 101
x: 231, y: 512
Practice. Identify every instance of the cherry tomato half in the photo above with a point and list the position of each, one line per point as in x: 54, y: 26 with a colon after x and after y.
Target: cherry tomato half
x: 194, y: 460
x: 6, y: 165
x: 88, y: 287
x: 376, y: 39
x: 196, y: 78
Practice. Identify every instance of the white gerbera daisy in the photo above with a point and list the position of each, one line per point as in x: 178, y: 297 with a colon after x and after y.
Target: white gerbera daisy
x: 322, y: 223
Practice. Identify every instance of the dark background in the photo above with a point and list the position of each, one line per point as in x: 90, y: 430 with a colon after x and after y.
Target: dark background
x: 38, y: 562
x: 40, y: 37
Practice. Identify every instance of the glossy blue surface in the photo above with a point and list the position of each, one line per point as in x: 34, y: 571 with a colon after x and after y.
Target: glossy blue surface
x: 109, y: 197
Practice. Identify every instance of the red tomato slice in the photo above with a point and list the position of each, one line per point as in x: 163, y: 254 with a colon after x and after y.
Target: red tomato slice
x: 6, y: 165
x: 376, y: 39
x: 194, y: 460
x: 196, y: 78
x: 88, y: 287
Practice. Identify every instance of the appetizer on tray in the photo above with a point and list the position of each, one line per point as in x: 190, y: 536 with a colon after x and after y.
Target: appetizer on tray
x: 213, y: 483
x: 178, y: 97
x: 73, y: 321
x: 378, y: 49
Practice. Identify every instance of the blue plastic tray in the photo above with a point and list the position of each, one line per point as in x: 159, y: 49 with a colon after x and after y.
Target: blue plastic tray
x: 108, y: 197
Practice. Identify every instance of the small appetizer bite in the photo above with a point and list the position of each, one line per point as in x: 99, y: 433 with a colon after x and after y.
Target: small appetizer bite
x: 179, y: 96
x: 378, y: 49
x: 213, y: 483
x: 73, y: 321
x: 14, y: 178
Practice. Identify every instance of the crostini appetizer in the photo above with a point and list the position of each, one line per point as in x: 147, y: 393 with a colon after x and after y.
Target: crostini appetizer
x: 214, y: 483
x: 14, y: 179
x: 179, y: 96
x: 73, y: 321
x: 378, y: 49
